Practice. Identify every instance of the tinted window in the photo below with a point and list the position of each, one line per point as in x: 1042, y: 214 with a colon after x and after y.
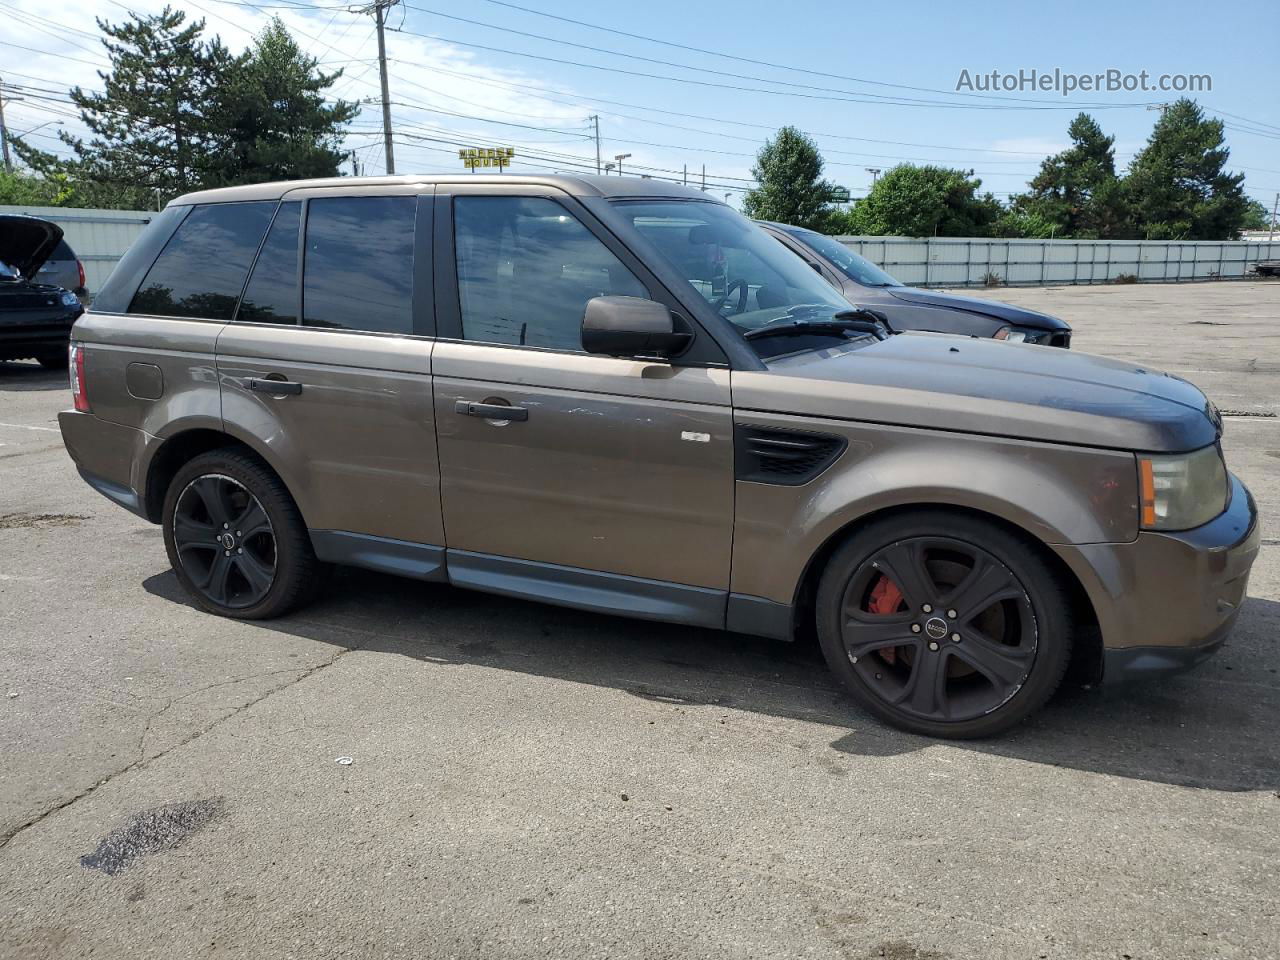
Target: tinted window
x: 272, y: 294
x: 526, y: 269
x: 202, y: 268
x: 123, y: 281
x: 358, y: 272
x: 62, y: 252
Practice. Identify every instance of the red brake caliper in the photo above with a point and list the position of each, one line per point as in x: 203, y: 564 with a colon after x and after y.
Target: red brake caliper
x: 885, y: 599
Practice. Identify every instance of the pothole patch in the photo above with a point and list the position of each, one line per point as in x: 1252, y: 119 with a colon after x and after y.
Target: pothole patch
x: 36, y: 521
x: 151, y: 831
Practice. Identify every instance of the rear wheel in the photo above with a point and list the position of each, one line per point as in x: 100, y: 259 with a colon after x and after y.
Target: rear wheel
x: 944, y: 624
x: 235, y: 537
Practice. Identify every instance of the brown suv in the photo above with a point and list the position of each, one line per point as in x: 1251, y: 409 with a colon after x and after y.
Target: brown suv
x: 622, y: 396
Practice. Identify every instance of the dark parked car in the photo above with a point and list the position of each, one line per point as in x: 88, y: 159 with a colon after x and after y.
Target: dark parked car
x: 910, y: 308
x: 620, y: 395
x: 35, y: 318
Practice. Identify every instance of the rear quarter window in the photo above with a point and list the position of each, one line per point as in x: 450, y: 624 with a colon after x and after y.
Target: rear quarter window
x: 202, y: 268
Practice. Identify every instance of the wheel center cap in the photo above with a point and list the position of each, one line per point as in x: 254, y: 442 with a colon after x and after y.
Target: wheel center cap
x: 935, y: 628
x: 228, y: 541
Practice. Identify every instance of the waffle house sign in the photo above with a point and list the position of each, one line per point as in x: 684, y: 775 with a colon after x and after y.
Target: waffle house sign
x: 473, y: 157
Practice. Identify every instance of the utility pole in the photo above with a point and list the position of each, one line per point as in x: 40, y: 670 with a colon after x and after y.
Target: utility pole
x: 380, y: 8
x: 686, y: 174
x: 1275, y: 207
x: 1162, y: 107
x: 4, y: 133
x: 875, y: 173
x: 704, y: 178
x: 594, y: 118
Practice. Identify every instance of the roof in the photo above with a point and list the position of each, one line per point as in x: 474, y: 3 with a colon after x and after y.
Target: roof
x: 581, y: 185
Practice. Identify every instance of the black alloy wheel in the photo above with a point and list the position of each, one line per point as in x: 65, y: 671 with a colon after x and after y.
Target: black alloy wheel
x: 224, y: 541
x: 236, y: 539
x: 952, y: 632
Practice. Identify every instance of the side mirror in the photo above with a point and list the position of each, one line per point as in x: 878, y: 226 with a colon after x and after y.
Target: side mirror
x: 631, y: 327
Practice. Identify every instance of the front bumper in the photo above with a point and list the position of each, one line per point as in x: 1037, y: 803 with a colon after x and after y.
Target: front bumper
x: 1166, y: 601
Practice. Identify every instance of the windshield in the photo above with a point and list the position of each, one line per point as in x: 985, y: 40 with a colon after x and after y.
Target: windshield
x: 856, y: 268
x: 741, y: 271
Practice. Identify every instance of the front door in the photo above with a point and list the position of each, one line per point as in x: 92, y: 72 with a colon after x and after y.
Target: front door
x: 609, y: 484
x: 328, y: 365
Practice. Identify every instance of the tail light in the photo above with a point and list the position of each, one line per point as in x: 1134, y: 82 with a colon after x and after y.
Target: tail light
x: 80, y: 271
x: 79, y: 391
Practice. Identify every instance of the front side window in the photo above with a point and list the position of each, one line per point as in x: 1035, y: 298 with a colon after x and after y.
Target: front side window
x: 272, y: 294
x: 526, y: 269
x: 358, y: 269
x: 202, y: 268
x: 739, y: 269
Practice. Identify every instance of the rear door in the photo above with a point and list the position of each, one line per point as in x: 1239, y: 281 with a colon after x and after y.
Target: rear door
x: 611, y: 485
x: 327, y: 368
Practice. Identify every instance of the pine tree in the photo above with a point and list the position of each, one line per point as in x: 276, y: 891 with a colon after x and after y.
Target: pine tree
x: 1076, y: 191
x: 273, y: 116
x: 789, y: 170
x: 151, y: 124
x: 1178, y: 185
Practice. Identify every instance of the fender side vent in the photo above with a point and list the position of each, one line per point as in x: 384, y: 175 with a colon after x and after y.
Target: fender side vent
x: 789, y: 457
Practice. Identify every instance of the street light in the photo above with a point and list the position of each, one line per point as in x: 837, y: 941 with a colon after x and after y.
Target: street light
x: 620, y: 157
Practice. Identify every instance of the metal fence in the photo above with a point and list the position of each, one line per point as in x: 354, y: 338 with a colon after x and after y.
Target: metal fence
x: 968, y: 262
x: 98, y: 237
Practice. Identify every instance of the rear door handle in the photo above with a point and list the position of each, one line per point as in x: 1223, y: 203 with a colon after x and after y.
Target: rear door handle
x: 490, y: 411
x: 275, y: 387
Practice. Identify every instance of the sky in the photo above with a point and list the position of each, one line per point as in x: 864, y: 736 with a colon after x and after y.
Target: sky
x: 679, y: 85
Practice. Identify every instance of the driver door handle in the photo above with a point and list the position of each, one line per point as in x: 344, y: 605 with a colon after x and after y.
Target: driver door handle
x: 490, y: 411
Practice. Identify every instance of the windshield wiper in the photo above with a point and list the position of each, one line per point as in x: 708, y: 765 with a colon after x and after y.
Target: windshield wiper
x: 860, y: 320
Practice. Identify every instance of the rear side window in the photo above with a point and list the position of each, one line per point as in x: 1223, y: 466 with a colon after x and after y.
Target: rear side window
x: 202, y: 268
x: 358, y: 272
x: 526, y: 269
x: 272, y: 294
x: 62, y: 252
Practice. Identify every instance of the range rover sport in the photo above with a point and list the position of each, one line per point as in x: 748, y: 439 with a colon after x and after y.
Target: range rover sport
x: 623, y: 396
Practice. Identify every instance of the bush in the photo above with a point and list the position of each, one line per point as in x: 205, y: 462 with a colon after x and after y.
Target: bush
x: 1125, y: 278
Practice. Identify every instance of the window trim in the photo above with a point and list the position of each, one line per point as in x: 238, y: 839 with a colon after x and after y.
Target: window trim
x: 703, y: 352
x: 257, y: 255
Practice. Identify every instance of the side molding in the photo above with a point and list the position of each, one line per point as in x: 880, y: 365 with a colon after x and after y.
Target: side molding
x: 417, y: 560
x: 588, y: 589
x: 759, y: 617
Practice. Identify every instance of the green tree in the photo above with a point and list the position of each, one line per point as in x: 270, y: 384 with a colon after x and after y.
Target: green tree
x: 1178, y: 185
x: 923, y: 201
x: 24, y: 189
x: 273, y: 117
x: 151, y: 123
x: 1077, y: 191
x: 1256, y: 217
x: 789, y: 171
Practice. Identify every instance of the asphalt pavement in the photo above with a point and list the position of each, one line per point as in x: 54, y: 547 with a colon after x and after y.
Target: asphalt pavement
x: 409, y: 770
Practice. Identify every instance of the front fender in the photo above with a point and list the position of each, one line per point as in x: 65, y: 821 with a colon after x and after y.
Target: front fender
x: 1055, y: 493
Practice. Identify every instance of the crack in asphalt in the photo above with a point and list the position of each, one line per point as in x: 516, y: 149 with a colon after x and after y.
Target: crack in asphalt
x: 144, y: 761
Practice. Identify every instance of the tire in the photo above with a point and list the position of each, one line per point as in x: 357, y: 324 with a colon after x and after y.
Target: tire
x: 963, y: 668
x: 53, y: 361
x: 234, y: 559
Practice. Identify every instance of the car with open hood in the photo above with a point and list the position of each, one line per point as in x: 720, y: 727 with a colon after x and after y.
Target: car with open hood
x: 911, y: 308
x: 35, y: 317
x: 623, y: 396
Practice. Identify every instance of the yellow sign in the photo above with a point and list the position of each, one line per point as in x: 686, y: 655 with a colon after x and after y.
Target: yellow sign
x: 499, y: 157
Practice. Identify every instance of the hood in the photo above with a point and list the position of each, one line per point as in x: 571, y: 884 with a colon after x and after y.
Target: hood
x: 27, y: 242
x: 992, y: 308
x: 989, y: 387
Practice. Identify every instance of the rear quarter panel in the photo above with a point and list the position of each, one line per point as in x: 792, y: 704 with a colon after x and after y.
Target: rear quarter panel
x: 1055, y: 493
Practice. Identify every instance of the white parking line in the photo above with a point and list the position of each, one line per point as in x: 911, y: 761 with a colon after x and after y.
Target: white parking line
x: 27, y: 426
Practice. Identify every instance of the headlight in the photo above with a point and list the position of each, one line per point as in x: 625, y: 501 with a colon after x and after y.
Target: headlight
x: 1184, y: 490
x: 69, y: 299
x: 1020, y: 334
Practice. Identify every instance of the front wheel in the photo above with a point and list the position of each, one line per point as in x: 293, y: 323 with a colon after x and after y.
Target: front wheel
x: 235, y: 537
x: 944, y: 624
